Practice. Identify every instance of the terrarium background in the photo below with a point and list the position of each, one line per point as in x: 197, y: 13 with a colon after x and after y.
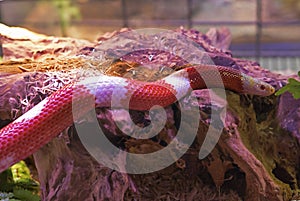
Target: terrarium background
x: 267, y: 31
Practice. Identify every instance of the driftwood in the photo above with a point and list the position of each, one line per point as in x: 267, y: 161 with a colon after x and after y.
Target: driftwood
x: 20, y: 43
x: 256, y: 157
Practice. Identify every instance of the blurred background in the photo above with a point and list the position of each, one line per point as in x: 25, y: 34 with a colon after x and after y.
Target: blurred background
x: 267, y: 31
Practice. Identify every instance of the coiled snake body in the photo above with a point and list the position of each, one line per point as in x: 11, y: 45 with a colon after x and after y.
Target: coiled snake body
x: 51, y: 116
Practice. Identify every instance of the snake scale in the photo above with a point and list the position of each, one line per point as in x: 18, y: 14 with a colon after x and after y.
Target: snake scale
x: 52, y: 115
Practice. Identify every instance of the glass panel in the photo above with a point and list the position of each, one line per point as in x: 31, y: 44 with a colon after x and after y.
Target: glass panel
x: 280, y: 10
x: 15, y: 12
x: 157, y: 13
x: 225, y: 10
x: 280, y: 29
x: 281, y: 33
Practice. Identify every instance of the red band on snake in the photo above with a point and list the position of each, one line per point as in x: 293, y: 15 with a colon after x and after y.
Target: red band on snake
x: 46, y: 120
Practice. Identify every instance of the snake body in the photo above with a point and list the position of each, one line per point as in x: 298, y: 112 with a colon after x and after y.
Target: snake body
x: 55, y: 113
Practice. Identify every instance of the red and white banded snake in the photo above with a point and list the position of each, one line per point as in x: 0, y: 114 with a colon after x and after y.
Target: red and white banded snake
x: 51, y: 116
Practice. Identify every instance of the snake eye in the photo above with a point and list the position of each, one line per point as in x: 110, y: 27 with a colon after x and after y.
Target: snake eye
x: 262, y: 87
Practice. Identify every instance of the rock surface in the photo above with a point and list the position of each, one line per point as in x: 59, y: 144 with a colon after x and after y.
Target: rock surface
x: 256, y: 157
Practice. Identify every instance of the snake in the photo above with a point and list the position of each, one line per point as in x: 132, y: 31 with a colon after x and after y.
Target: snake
x: 35, y: 128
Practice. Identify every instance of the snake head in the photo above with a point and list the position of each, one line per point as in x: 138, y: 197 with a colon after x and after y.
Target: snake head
x: 256, y: 87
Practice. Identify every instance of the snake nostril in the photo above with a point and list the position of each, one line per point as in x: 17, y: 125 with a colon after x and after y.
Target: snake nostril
x: 273, y: 90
